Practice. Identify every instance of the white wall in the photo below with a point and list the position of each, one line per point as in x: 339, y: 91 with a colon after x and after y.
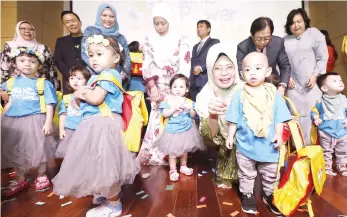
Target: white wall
x: 230, y: 20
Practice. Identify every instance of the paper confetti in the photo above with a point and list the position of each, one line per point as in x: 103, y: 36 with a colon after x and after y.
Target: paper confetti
x: 227, y: 203
x: 203, y: 172
x: 210, y: 159
x: 202, y: 199
x: 65, y: 204
x: 199, y: 175
x: 201, y: 206
x: 61, y: 197
x: 144, y: 196
x: 140, y: 192
x: 170, y: 215
x: 169, y: 187
x: 39, y: 203
x: 146, y: 175
x: 50, y: 194
x: 213, y: 170
x: 235, y: 213
x: 127, y: 215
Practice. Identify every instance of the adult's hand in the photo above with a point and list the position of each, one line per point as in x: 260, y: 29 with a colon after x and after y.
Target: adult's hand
x: 197, y: 70
x: 217, y: 105
x: 291, y: 83
x: 311, y: 81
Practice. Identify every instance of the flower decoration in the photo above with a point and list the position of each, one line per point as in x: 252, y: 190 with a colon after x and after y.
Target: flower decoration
x: 98, y: 39
x: 16, y: 52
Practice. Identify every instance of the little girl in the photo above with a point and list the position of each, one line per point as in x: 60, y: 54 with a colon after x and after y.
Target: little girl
x: 97, y: 161
x: 180, y: 135
x: 69, y: 115
x: 26, y: 130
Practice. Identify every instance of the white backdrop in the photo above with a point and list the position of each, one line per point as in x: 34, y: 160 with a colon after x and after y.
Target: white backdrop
x: 230, y: 20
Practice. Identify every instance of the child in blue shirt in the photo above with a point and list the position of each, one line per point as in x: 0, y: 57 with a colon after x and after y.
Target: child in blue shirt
x: 97, y: 152
x: 26, y: 131
x: 180, y: 134
x: 69, y: 113
x: 329, y: 115
x: 256, y: 114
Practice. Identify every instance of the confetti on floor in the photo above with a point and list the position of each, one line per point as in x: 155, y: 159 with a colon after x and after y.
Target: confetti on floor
x: 39, y: 203
x: 146, y: 175
x: 144, y: 196
x: 140, y: 192
x: 50, y: 194
x: 170, y: 215
x: 210, y: 159
x: 202, y: 199
x: 199, y: 175
x: 61, y: 197
x: 227, y: 203
x: 65, y: 204
x: 235, y: 213
x: 213, y: 170
x: 127, y: 215
x: 203, y: 172
x: 201, y: 206
x: 169, y: 187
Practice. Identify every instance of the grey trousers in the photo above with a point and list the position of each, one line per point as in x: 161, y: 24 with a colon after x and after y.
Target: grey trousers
x: 248, y: 170
x: 329, y: 145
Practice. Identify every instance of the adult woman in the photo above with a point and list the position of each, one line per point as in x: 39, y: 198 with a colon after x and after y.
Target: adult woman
x: 106, y: 24
x: 333, y: 55
x: 211, y: 104
x: 25, y: 36
x: 165, y: 54
x: 308, y: 54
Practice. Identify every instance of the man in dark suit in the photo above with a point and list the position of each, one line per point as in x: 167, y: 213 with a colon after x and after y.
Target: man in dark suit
x: 68, y: 48
x: 262, y: 40
x: 198, y: 73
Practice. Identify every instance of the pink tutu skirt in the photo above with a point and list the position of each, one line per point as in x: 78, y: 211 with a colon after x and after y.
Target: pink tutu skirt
x: 63, y: 144
x: 23, y: 144
x: 97, y: 161
x: 177, y: 144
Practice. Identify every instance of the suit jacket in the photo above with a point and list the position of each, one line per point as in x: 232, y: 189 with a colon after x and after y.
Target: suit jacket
x: 66, y: 57
x: 276, y: 55
x: 199, y: 59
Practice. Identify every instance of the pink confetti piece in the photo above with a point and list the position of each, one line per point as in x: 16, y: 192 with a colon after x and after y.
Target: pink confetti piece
x: 202, y: 199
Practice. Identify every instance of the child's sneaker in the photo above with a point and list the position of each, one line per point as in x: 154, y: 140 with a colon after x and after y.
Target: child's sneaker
x: 248, y: 204
x: 42, y: 182
x: 15, y: 187
x: 342, y: 168
x: 106, y: 210
x: 268, y: 201
x: 329, y: 170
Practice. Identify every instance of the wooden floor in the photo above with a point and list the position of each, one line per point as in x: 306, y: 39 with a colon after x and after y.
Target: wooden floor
x: 180, y: 202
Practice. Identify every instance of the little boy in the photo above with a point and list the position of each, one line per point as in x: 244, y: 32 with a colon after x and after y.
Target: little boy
x: 329, y: 115
x: 256, y: 114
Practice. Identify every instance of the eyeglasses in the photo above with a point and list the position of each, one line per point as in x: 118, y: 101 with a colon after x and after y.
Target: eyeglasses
x: 221, y: 69
x: 259, y: 39
x: 26, y: 29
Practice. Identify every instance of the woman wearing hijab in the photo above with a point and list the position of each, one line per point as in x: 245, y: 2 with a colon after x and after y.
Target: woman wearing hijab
x: 106, y: 24
x: 25, y: 36
x: 166, y: 53
x: 212, y: 103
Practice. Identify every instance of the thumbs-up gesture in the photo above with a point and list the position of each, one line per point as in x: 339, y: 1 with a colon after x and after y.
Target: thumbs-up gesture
x: 217, y: 105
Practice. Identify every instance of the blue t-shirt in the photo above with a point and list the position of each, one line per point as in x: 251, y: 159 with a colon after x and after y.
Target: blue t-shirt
x: 25, y: 99
x: 334, y: 128
x: 179, y: 122
x: 113, y: 99
x: 256, y: 148
x: 73, y: 115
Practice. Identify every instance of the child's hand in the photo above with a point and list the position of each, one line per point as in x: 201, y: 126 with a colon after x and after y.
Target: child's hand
x: 345, y: 123
x: 278, y: 141
x: 62, y: 134
x: 230, y: 142
x: 318, y: 121
x: 47, y: 129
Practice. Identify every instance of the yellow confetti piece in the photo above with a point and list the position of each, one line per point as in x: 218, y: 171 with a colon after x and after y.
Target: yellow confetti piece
x: 201, y: 206
x: 50, y: 194
x: 227, y: 203
x: 235, y: 213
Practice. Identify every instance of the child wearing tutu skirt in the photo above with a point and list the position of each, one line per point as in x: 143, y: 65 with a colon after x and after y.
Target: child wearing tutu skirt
x: 180, y: 134
x: 26, y: 123
x: 97, y: 161
x: 70, y: 115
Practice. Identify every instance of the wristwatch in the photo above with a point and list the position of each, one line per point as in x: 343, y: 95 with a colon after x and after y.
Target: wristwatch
x: 282, y: 85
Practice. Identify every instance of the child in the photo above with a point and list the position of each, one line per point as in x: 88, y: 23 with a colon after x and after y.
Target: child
x: 256, y: 114
x: 26, y: 130
x: 329, y: 115
x: 180, y: 135
x: 97, y: 161
x: 70, y: 116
